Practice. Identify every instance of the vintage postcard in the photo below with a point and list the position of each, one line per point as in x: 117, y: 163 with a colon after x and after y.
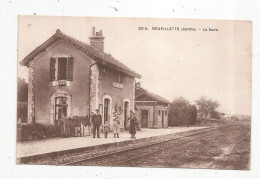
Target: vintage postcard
x: 134, y: 92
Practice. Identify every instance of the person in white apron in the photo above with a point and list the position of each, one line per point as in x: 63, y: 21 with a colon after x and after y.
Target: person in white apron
x: 116, y: 124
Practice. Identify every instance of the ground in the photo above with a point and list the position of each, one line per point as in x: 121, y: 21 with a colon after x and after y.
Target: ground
x: 227, y: 148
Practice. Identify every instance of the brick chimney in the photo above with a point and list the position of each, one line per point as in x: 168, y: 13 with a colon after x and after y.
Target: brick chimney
x: 97, y: 40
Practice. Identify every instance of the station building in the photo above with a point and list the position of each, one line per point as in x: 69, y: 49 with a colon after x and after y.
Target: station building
x: 152, y: 110
x: 69, y: 78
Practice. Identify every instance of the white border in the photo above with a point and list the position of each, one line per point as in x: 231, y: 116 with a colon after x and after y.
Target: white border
x: 9, y: 11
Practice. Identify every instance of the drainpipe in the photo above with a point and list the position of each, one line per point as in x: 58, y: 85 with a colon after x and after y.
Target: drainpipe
x: 90, y: 84
x: 33, y: 103
x: 153, y: 117
x: 33, y: 87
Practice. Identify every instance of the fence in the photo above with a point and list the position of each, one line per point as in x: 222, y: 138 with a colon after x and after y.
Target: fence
x: 75, y: 126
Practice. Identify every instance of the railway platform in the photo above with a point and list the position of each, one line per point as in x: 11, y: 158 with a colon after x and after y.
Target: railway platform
x: 52, y: 147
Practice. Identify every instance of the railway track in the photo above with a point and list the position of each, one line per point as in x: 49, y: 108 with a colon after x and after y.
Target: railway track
x: 117, y: 158
x: 156, y: 151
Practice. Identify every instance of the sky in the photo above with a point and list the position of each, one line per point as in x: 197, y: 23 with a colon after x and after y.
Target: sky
x: 191, y: 64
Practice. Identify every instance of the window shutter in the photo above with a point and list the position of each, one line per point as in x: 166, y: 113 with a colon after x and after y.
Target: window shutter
x: 52, y: 69
x: 70, y: 69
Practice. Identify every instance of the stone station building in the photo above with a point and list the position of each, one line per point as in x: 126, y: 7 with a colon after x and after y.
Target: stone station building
x: 68, y: 78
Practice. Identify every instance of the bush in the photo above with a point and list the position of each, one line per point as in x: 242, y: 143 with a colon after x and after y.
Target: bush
x: 22, y: 108
x: 193, y: 115
x: 38, y: 131
x: 182, y: 113
x: 35, y: 131
x: 215, y: 114
x: 234, y: 117
x: 52, y: 131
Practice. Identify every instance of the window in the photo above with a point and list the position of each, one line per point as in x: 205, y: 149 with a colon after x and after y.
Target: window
x: 165, y: 112
x: 106, y: 109
x: 117, y: 83
x: 64, y: 67
x: 118, y: 77
x: 159, y: 112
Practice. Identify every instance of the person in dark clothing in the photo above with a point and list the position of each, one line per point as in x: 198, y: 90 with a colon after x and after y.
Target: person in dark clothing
x: 96, y: 122
x: 133, y: 124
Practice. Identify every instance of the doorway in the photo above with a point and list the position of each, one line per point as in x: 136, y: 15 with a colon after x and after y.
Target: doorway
x: 60, y: 108
x: 162, y: 119
x: 144, y: 121
x: 126, y: 108
x: 106, y: 110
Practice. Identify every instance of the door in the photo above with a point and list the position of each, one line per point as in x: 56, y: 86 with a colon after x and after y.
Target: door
x: 126, y: 106
x: 162, y: 119
x: 60, y: 108
x: 106, y: 110
x: 144, y: 121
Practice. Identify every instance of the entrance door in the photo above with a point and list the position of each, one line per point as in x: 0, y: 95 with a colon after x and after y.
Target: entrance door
x: 126, y: 106
x: 144, y: 119
x: 162, y: 119
x: 106, y: 110
x: 60, y: 108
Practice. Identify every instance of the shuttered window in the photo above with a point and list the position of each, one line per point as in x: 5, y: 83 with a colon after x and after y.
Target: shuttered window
x: 52, y: 69
x: 70, y: 69
x: 64, y: 68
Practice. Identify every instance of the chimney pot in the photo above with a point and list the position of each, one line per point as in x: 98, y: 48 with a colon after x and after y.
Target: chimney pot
x: 97, y: 40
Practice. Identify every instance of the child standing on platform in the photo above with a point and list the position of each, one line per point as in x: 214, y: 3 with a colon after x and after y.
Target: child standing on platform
x: 106, y: 128
x: 116, y: 124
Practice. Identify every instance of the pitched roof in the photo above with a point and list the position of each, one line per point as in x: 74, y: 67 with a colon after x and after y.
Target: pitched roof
x: 99, y: 56
x: 153, y: 96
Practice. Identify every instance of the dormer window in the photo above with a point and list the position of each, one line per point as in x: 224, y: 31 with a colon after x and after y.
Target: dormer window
x: 119, y: 78
x: 118, y: 81
x: 61, y: 68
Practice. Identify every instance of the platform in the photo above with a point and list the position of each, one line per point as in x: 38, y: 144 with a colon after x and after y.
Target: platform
x: 51, y: 147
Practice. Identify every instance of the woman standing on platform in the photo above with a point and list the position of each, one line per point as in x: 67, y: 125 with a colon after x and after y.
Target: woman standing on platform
x: 133, y: 123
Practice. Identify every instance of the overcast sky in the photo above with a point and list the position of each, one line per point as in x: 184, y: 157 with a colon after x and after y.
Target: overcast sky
x: 216, y: 64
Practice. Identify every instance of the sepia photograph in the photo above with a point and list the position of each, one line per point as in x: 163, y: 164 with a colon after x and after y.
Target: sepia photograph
x: 134, y: 92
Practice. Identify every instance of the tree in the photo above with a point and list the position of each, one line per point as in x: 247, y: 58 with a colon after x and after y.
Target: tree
x: 206, y: 106
x: 215, y: 114
x: 22, y: 99
x: 193, y: 111
x: 138, y: 89
x: 182, y: 113
x: 22, y: 90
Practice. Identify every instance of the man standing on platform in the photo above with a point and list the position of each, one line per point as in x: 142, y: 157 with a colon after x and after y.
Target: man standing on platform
x: 96, y: 122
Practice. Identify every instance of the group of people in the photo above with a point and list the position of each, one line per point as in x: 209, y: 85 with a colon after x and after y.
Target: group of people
x: 96, y: 122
